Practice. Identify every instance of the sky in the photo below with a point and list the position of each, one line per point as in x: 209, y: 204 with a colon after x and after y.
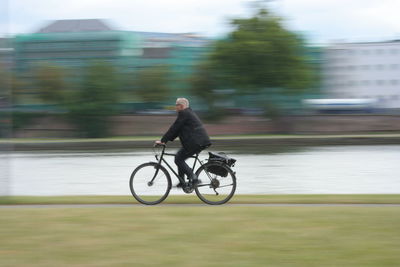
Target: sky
x: 320, y: 21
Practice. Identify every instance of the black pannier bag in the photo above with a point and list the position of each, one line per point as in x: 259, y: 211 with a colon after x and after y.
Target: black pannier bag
x: 222, y: 158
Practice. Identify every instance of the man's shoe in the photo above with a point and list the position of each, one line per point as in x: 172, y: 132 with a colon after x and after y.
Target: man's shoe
x: 194, y: 180
x: 193, y: 177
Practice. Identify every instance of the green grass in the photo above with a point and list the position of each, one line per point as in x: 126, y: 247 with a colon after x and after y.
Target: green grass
x: 339, y: 199
x: 200, y: 236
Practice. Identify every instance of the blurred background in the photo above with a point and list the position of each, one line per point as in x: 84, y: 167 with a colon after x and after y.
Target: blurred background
x: 88, y: 77
x: 114, y: 68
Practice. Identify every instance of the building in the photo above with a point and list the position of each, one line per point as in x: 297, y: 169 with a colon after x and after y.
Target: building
x: 75, y: 43
x: 180, y: 51
x: 6, y: 53
x: 363, y: 71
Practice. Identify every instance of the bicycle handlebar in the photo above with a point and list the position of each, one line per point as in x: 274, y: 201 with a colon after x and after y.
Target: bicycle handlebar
x: 156, y: 145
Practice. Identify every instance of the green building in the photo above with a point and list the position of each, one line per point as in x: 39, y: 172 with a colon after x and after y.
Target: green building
x: 73, y: 44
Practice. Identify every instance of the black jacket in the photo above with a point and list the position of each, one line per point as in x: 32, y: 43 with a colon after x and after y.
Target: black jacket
x: 190, y: 130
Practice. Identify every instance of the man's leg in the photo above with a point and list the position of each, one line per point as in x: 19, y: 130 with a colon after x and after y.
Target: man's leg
x: 183, y: 168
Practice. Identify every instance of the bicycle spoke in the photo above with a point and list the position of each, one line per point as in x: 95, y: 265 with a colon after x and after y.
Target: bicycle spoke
x: 209, y: 176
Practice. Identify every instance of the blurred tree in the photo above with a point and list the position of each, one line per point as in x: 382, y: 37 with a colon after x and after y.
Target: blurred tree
x: 152, y: 83
x: 50, y: 80
x: 11, y: 88
x: 5, y: 82
x: 10, y: 84
x: 204, y: 85
x: 91, y: 107
x: 259, y: 54
x: 5, y: 91
x: 17, y: 86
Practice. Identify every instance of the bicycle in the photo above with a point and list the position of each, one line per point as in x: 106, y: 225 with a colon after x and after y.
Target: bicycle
x: 150, y: 183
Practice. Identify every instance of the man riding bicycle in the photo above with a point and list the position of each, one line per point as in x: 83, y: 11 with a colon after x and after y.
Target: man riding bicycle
x: 192, y: 135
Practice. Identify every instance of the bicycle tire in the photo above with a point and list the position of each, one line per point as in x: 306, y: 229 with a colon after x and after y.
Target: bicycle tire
x: 210, y: 183
x: 139, y: 183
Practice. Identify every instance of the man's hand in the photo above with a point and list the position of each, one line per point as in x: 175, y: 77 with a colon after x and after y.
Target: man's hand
x: 158, y: 142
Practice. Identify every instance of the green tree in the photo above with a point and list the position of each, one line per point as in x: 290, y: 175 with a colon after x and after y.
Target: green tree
x: 5, y: 82
x: 10, y: 85
x: 5, y: 92
x: 204, y: 85
x: 50, y: 80
x: 17, y: 86
x: 91, y: 107
x: 260, y: 55
x: 152, y: 83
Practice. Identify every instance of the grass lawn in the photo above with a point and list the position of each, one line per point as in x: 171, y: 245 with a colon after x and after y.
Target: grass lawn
x: 200, y: 236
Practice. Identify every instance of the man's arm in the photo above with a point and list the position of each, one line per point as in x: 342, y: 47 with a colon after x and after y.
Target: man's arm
x: 175, y: 128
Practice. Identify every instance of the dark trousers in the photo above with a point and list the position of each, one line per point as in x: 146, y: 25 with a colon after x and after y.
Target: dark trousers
x: 180, y: 158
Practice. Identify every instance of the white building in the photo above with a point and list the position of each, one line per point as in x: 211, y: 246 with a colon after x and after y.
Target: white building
x: 363, y: 71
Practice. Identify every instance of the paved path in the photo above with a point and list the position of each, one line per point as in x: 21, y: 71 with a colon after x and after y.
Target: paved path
x: 188, y: 205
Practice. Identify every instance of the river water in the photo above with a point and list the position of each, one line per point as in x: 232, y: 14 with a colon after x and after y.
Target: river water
x: 306, y: 170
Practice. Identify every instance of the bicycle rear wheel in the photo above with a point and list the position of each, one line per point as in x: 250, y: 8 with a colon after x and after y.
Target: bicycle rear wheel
x: 150, y: 183
x: 215, y: 189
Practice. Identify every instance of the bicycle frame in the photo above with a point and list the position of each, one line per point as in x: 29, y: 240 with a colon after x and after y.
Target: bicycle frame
x: 161, y: 159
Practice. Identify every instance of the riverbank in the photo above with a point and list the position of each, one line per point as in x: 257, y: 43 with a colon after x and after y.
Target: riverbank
x: 22, y: 144
x: 153, y: 125
x: 192, y: 199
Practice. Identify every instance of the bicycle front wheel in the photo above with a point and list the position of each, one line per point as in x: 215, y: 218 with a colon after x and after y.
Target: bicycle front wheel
x: 150, y: 183
x: 215, y: 189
